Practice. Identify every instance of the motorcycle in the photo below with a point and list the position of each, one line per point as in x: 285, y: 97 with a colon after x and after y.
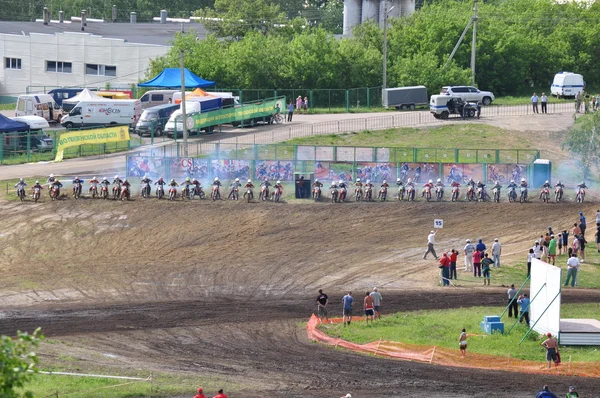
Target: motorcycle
x: 185, y: 192
x: 382, y: 194
x: 116, y: 192
x: 125, y: 193
x: 368, y: 193
x: 93, y: 190
x: 21, y: 193
x: 172, y: 193
x: 558, y: 194
x: 439, y: 193
x: 249, y: 195
x: 54, y: 192
x: 234, y: 194
x: 342, y: 195
x: 276, y: 194
x: 427, y: 192
x: 334, y: 194
x: 104, y: 192
x: 410, y: 193
x: 146, y: 190
x: 512, y: 194
x: 317, y: 193
x: 197, y: 191
x: 523, y: 197
x: 76, y: 191
x: 264, y: 193
x: 215, y: 193
x: 470, y: 193
x: 482, y: 195
x: 160, y: 191
x: 36, y: 194
x: 455, y: 193
x: 580, y: 195
x: 401, y: 192
x: 545, y: 195
x: 496, y: 192
x: 358, y: 194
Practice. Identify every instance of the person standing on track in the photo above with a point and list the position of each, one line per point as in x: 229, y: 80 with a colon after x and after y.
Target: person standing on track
x: 221, y: 394
x: 496, y: 252
x: 545, y: 393
x: 347, y: 302
x: 200, y: 393
x: 377, y: 301
x: 469, y: 249
x: 322, y: 306
x: 369, y: 307
x: 481, y: 247
x: 513, y: 306
x: 477, y: 263
x: 462, y: 343
x: 551, y: 347
x: 445, y: 266
x: 582, y: 223
x: 430, y: 248
x: 453, y: 259
x: 572, y: 393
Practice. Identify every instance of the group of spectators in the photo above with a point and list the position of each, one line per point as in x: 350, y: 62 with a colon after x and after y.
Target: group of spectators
x: 371, y: 306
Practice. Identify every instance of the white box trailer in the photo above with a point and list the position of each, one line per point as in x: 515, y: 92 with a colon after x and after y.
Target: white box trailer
x: 42, y: 105
x: 102, y: 113
x: 567, y: 84
x: 405, y: 97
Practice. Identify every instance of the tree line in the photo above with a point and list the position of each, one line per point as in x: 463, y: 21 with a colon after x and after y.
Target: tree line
x: 521, y: 44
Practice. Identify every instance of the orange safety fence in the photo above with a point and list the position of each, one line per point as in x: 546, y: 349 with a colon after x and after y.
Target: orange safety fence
x: 449, y: 357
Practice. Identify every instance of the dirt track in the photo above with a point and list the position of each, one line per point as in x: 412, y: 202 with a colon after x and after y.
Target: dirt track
x: 220, y: 289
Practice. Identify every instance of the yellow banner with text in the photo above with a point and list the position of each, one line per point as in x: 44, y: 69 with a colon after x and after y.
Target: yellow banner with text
x: 94, y: 136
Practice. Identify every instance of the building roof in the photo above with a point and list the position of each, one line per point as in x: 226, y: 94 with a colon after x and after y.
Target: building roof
x: 145, y: 33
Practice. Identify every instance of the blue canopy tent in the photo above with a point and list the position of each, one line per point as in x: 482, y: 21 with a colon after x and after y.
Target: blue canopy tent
x: 171, y: 78
x: 8, y: 125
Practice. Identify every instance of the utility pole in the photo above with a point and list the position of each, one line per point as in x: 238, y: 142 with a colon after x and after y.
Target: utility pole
x: 385, y: 18
x: 183, y: 113
x: 474, y: 44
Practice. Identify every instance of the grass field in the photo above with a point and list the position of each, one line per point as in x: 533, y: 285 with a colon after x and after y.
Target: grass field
x: 441, y: 328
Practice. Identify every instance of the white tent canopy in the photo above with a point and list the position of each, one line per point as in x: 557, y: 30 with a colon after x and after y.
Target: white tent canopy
x: 85, y: 95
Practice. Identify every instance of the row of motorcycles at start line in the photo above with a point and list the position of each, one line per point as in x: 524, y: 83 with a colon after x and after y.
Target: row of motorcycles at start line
x: 475, y: 191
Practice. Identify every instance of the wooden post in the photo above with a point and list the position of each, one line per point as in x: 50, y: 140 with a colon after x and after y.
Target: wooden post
x: 432, y: 354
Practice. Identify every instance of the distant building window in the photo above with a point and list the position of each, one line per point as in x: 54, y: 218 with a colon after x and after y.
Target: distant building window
x: 59, y: 67
x: 100, y: 70
x: 12, y: 63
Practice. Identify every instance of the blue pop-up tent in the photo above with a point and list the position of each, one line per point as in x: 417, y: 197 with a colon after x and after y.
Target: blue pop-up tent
x: 8, y: 125
x: 171, y: 78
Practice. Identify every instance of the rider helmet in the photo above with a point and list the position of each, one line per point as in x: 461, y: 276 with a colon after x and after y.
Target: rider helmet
x: 249, y: 181
x: 51, y: 175
x: 77, y: 177
x: 398, y: 180
x: 145, y: 176
x: 187, y: 178
x: 358, y: 180
x: 409, y: 181
x: 341, y: 182
x: 547, y: 182
x: 278, y: 182
x: 160, y: 179
x: 557, y: 182
x: 37, y: 181
x: 512, y: 181
x: 431, y: 181
x: 104, y: 179
x: 237, y: 180
x: 316, y: 180
x: 368, y: 181
x: 523, y: 179
x: 582, y: 183
x: 116, y: 177
x: 384, y: 182
x: 439, y: 180
x: 172, y: 180
x: 94, y: 178
x: 497, y: 182
x: 216, y: 178
x: 20, y: 180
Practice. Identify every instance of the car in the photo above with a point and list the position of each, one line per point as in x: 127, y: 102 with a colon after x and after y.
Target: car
x: 469, y: 94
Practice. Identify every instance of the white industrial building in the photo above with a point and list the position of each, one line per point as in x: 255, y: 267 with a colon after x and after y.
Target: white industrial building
x: 38, y: 57
x: 359, y: 11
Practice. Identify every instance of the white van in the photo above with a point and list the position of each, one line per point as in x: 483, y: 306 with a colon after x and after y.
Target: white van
x: 35, y: 123
x: 100, y: 113
x: 158, y: 97
x: 190, y: 107
x: 567, y: 84
x: 42, y: 105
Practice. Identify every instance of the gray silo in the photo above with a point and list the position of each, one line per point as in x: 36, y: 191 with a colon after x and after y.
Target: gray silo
x: 370, y: 10
x: 352, y: 15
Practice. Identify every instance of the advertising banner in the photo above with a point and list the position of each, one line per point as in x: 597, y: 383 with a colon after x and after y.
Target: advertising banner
x: 376, y: 172
x: 95, y: 136
x: 274, y: 170
x: 264, y: 108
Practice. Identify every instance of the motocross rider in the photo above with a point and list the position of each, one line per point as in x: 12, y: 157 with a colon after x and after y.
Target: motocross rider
x: 482, y: 186
x: 126, y: 184
x: 49, y: 181
x: 56, y: 184
x: 512, y: 184
x: 160, y: 181
x: 427, y: 184
x: 236, y: 184
x: 173, y: 183
x: 524, y: 183
x: 37, y: 185
x: 317, y: 183
x: 582, y: 185
x: 439, y: 183
x: 77, y: 181
x: 559, y: 185
x: 93, y: 181
x: 400, y: 183
x: 250, y: 185
x: 21, y: 184
x: 547, y: 186
x: 105, y: 182
x: 497, y: 185
x: 278, y: 186
x: 146, y: 180
x: 358, y: 184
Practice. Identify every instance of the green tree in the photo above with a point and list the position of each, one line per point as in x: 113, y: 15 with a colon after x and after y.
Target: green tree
x: 583, y: 140
x: 331, y: 17
x: 17, y: 360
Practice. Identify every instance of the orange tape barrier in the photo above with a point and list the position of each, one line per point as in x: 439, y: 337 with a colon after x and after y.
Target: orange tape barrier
x: 449, y: 357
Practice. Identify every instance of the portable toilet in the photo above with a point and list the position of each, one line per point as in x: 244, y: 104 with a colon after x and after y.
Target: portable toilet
x: 542, y: 171
x: 303, y: 184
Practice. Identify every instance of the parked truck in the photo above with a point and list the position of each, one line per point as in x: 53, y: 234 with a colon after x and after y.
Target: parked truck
x: 103, y: 113
x: 174, y: 127
x: 403, y: 98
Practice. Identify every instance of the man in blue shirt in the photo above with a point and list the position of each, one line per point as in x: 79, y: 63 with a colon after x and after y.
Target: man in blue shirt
x: 582, y: 223
x: 545, y: 393
x: 480, y: 247
x: 347, y: 302
x: 290, y: 111
x: 524, y: 301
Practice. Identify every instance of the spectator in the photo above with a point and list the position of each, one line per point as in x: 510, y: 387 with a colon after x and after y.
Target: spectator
x: 545, y: 393
x: 485, y: 268
x: 200, y: 390
x: 530, y: 257
x: 430, y: 248
x: 347, y: 302
x: 576, y: 230
x: 578, y: 102
x: 496, y: 251
x: 290, y: 111
x: 513, y: 306
x: 299, y: 104
x: 369, y: 307
x: 552, y: 250
x: 221, y: 394
x: 551, y: 346
x: 582, y: 223
x: 322, y: 306
x: 565, y: 236
x: 598, y: 236
x: 572, y: 393
x: 537, y: 250
x: 582, y: 243
x: 544, y: 103
x: 477, y: 263
x: 550, y: 231
x: 534, y: 102
x: 560, y: 243
x: 572, y: 269
x: 305, y: 105
x: 576, y: 245
x: 453, y: 258
x: 524, y: 301
x: 445, y: 266
x: 481, y: 246
x: 545, y: 252
x: 468, y: 250
x: 377, y: 302
x: 462, y: 343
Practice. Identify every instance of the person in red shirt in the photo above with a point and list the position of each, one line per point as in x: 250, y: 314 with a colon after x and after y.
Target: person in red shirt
x: 453, y: 258
x: 445, y: 266
x: 200, y: 393
x: 220, y: 394
x: 477, y: 263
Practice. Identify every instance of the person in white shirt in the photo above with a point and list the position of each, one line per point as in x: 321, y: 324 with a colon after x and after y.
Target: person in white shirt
x: 496, y: 251
x: 430, y: 243
x: 573, y: 268
x: 376, y: 302
x: 534, y: 102
x: 469, y: 249
x: 537, y: 250
x: 544, y: 103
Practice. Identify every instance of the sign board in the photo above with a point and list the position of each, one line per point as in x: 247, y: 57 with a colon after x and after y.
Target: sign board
x: 94, y: 136
x: 438, y: 223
